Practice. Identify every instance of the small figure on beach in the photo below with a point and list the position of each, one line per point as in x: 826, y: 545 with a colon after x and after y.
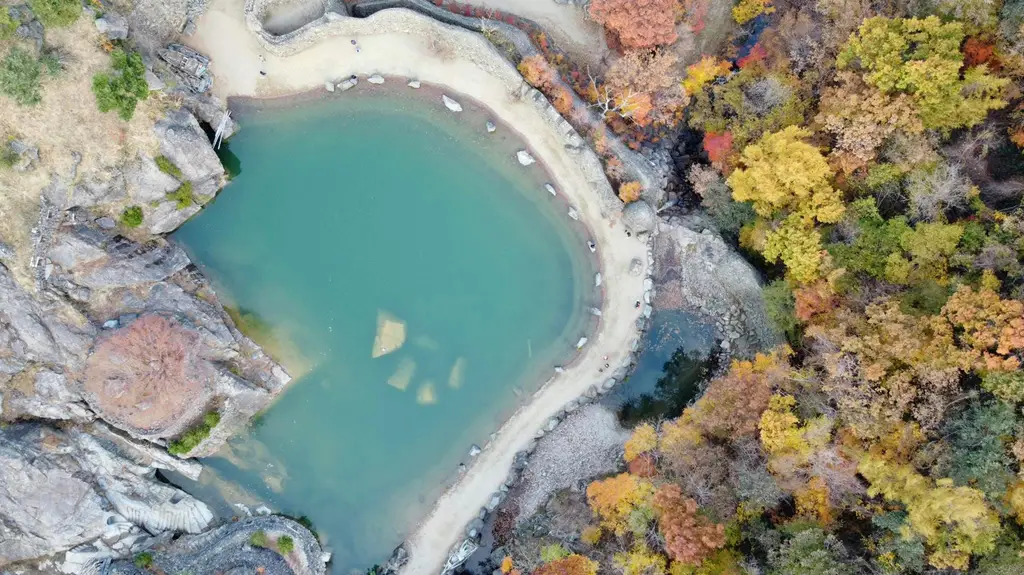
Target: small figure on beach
x: 592, y: 246
x: 636, y: 304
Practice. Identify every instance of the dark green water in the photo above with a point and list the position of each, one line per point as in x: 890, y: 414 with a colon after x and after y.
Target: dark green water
x: 351, y: 208
x: 679, y: 356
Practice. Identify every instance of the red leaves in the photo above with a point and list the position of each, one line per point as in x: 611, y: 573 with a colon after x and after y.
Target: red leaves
x: 717, y: 146
x: 689, y: 538
x: 756, y: 54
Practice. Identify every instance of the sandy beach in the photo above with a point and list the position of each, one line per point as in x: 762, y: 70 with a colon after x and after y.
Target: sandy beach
x: 238, y: 57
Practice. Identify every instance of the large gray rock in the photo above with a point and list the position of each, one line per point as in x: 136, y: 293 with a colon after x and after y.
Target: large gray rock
x: 145, y: 182
x: 639, y: 217
x: 46, y: 503
x: 59, y: 489
x: 185, y: 143
x: 78, y: 247
x: 101, y: 188
x: 227, y: 550
x: 114, y: 25
x: 154, y: 23
x: 700, y: 273
x: 37, y: 335
x: 167, y: 216
x: 50, y: 397
x: 142, y: 265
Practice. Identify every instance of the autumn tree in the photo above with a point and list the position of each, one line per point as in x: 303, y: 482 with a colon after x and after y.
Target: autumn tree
x: 640, y: 560
x: 570, y: 565
x: 630, y: 191
x: 703, y: 72
x: 991, y: 326
x: 613, y: 499
x: 689, y: 537
x: 788, y: 181
x: 637, y: 23
x: 922, y: 58
x: 643, y: 440
x: 539, y: 73
x: 884, y: 364
x: 732, y: 405
x: 747, y: 10
x: 748, y: 105
x: 860, y: 118
x: 954, y: 522
x: 648, y: 77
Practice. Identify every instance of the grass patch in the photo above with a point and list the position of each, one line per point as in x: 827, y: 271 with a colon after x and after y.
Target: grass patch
x: 194, y: 436
x: 285, y: 544
x: 258, y: 538
x: 143, y: 560
x: 56, y: 13
x: 167, y: 166
x: 8, y: 157
x: 7, y: 24
x: 183, y: 195
x: 131, y: 217
x: 122, y: 89
x: 19, y: 77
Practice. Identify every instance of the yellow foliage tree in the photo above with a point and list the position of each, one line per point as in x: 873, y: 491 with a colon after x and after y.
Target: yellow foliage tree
x: 783, y: 174
x: 614, y: 498
x: 704, y: 71
x: 644, y: 439
x: 747, y: 10
x: 630, y: 191
x: 640, y: 561
x: 788, y: 179
x: 923, y: 58
x: 955, y: 522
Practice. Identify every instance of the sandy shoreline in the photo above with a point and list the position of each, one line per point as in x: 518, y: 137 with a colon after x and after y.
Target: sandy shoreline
x: 238, y: 57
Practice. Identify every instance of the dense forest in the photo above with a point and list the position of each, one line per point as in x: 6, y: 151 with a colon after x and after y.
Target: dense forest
x: 867, y: 155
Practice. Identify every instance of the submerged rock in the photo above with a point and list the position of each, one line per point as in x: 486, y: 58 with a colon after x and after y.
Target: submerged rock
x: 414, y: 84
x: 329, y: 86
x: 550, y: 189
x: 525, y: 158
x: 451, y: 104
x: 348, y: 84
x: 376, y: 79
x: 491, y: 128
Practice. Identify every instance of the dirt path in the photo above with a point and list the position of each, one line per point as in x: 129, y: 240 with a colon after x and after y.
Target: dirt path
x: 569, y: 25
x: 237, y: 58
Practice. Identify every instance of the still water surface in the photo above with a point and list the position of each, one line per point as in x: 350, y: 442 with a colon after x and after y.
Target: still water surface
x: 355, y: 213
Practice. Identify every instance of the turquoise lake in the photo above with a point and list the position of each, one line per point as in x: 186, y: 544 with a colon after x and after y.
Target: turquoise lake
x: 366, y: 210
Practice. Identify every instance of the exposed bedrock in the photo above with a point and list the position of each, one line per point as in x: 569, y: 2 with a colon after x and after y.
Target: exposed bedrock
x: 698, y: 272
x: 59, y: 489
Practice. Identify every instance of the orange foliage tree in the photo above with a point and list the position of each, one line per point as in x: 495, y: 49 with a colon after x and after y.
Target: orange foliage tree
x: 630, y: 191
x: 991, y: 326
x: 571, y: 565
x: 732, y: 404
x: 637, y: 23
x: 613, y: 499
x: 689, y: 537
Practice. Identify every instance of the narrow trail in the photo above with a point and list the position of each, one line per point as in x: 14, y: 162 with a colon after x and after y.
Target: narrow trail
x: 397, y: 43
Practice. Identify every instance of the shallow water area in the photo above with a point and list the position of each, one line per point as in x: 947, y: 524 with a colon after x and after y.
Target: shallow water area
x: 419, y: 281
x: 679, y: 355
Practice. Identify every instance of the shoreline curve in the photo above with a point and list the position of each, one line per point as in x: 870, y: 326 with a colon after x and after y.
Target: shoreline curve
x: 402, y: 43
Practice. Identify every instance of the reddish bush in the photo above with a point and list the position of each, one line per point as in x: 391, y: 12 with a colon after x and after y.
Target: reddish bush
x: 718, y: 146
x: 689, y: 537
x: 643, y: 465
x: 637, y: 23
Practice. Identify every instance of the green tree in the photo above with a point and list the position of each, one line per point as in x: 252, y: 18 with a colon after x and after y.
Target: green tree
x: 56, y: 13
x: 19, y: 77
x: 810, y: 551
x: 131, y: 217
x: 122, y: 89
x: 922, y: 58
x: 285, y: 544
x: 977, y: 455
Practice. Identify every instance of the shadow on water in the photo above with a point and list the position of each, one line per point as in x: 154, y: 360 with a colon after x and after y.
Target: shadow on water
x: 679, y: 356
x: 232, y: 163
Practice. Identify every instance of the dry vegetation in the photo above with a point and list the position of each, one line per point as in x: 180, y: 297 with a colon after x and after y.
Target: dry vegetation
x: 66, y: 121
x: 148, y: 374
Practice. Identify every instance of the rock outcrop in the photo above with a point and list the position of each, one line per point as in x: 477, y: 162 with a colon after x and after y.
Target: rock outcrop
x: 699, y: 272
x: 60, y: 489
x: 228, y: 549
